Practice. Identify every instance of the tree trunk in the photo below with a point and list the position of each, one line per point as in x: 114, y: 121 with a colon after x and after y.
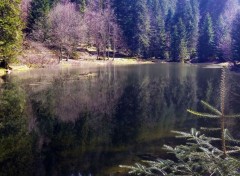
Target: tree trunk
x: 97, y: 53
x: 114, y: 50
x: 60, y: 56
x: 104, y: 53
x: 222, y: 120
x: 67, y: 56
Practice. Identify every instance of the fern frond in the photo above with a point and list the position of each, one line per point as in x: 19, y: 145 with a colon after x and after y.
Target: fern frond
x: 203, y: 115
x: 211, y: 108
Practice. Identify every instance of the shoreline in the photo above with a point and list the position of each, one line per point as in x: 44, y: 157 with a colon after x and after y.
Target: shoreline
x: 17, y: 68
x: 213, y: 64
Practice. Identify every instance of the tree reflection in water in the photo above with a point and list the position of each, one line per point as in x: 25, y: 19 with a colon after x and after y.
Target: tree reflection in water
x: 90, y: 123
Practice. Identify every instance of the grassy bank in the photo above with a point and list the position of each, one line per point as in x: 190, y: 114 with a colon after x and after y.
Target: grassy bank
x: 2, y: 71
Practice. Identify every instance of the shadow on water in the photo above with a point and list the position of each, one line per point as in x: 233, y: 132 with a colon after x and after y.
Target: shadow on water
x: 88, y: 121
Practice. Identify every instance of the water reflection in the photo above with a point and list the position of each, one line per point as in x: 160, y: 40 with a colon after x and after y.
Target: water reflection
x: 15, y: 141
x: 88, y: 121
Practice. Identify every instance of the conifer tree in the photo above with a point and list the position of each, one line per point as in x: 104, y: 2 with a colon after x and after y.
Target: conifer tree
x: 134, y: 20
x: 182, y: 45
x: 10, y: 29
x: 201, y: 155
x: 82, y: 6
x: 235, y: 34
x: 141, y: 29
x: 189, y: 13
x: 194, y: 27
x: 174, y: 43
x: 124, y: 12
x: 179, y: 50
x: 157, y: 32
x: 168, y: 31
x: 38, y: 12
x: 206, y: 46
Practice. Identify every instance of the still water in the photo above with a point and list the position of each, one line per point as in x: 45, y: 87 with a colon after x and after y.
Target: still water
x: 87, y: 121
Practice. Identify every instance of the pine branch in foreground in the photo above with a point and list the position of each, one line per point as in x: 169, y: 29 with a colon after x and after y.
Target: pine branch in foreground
x: 199, y: 155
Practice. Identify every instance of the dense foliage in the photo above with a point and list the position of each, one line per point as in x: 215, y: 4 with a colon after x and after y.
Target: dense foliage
x: 10, y: 29
x: 198, y: 157
x: 178, y: 30
x: 174, y: 30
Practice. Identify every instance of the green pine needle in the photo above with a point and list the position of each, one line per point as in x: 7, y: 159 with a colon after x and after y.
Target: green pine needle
x: 203, y: 115
x: 211, y: 108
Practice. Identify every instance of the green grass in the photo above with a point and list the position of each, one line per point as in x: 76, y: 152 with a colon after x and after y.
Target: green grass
x: 2, y: 71
x: 19, y: 68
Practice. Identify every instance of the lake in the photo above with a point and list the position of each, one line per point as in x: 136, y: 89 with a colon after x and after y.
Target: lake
x: 87, y: 121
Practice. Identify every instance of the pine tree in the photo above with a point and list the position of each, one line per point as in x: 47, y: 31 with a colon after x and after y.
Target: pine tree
x: 201, y: 155
x: 157, y: 32
x: 10, y: 29
x: 134, y: 20
x: 168, y: 30
x: 206, y: 45
x: 194, y: 27
x: 179, y: 50
x: 235, y: 34
x: 38, y: 11
x: 182, y: 42
x: 174, y: 44
x: 189, y: 13
x: 124, y: 11
x: 141, y: 29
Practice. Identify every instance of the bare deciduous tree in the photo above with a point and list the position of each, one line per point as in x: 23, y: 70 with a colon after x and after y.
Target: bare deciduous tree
x: 103, y: 30
x: 67, y: 28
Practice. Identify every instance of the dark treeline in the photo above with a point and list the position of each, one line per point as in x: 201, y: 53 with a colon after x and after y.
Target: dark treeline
x: 180, y: 30
x: 172, y: 30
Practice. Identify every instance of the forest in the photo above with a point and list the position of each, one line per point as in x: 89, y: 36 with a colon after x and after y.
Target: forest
x: 170, y: 30
x: 69, y: 109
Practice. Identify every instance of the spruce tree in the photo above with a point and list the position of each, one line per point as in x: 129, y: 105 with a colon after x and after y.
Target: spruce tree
x: 141, y: 29
x: 124, y: 11
x: 206, y: 46
x: 174, y: 43
x: 182, y: 42
x: 38, y: 11
x: 194, y: 27
x: 168, y: 20
x: 168, y: 31
x: 10, y: 29
x: 236, y: 39
x: 179, y: 50
x: 134, y: 20
x: 189, y: 13
x: 201, y: 155
x: 157, y: 32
